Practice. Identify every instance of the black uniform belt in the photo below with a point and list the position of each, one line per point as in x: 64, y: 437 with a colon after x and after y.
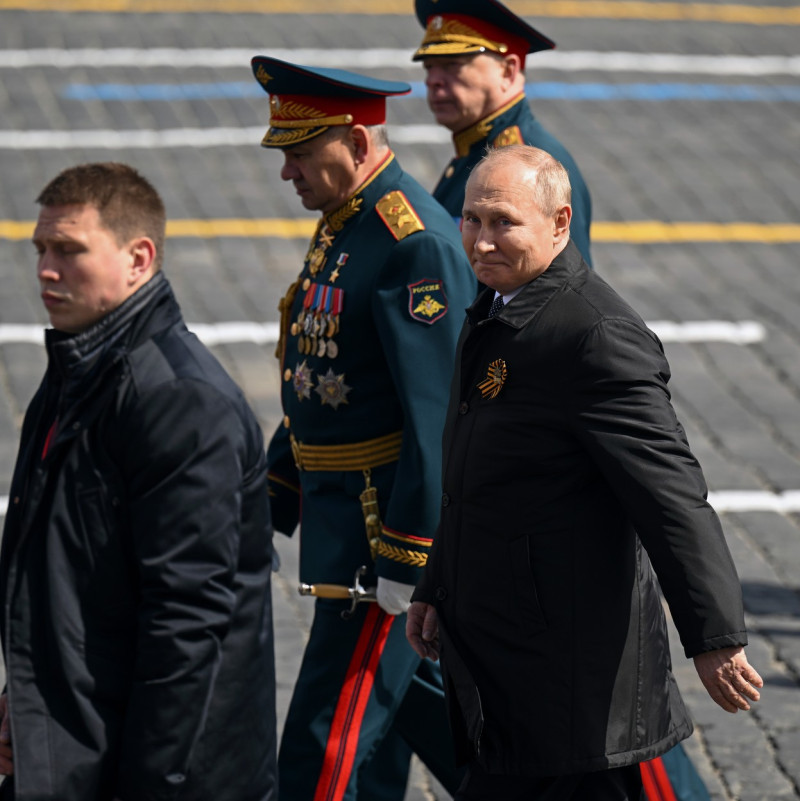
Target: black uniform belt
x: 352, y: 456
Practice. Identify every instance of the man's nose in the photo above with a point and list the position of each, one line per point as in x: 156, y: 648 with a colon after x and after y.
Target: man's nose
x: 46, y: 269
x: 289, y: 172
x: 483, y: 241
x: 433, y: 77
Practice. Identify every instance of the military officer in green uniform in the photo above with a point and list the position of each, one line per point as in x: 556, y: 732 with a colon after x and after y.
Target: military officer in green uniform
x: 473, y: 52
x: 368, y: 334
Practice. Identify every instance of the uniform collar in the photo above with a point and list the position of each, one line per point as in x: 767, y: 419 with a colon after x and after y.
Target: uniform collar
x: 482, y: 130
x: 364, y: 197
x: 568, y: 268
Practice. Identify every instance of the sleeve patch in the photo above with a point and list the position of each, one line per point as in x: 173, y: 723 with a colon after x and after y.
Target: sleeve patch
x: 399, y: 215
x: 510, y: 136
x: 427, y: 301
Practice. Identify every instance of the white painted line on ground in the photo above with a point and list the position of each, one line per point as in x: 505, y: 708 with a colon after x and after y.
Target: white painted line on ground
x: 722, y: 501
x: 183, y: 137
x: 753, y: 501
x: 14, y: 333
x: 377, y: 58
x: 209, y: 333
x: 109, y: 139
x: 741, y: 333
x: 226, y: 333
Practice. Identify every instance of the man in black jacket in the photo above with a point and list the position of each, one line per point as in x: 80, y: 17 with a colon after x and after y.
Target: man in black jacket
x: 136, y: 556
x: 565, y: 476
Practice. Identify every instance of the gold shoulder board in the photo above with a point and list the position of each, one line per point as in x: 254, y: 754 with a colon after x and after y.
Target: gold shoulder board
x: 510, y: 136
x: 398, y: 214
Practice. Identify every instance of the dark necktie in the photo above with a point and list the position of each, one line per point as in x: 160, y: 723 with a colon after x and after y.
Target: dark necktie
x: 497, y: 305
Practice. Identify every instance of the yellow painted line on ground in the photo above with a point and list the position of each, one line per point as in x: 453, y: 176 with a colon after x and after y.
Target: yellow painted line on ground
x: 596, y: 9
x: 638, y: 232
x: 652, y: 231
x: 257, y: 229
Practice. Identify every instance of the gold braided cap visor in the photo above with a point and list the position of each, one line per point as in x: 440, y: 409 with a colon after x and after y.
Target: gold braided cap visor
x: 457, y: 46
x: 452, y: 35
x: 298, y: 118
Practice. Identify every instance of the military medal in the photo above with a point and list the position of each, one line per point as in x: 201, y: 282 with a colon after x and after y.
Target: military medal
x: 495, y: 378
x: 302, y: 381
x: 321, y: 348
x: 315, y: 260
x: 340, y: 262
x: 316, y: 254
x: 332, y: 389
x: 337, y: 302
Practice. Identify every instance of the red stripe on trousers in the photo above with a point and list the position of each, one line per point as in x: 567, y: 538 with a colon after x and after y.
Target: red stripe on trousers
x: 657, y: 785
x: 340, y: 751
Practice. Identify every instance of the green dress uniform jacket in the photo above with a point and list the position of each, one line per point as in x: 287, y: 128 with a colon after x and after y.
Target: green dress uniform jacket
x: 567, y: 478
x: 368, y: 336
x: 514, y: 124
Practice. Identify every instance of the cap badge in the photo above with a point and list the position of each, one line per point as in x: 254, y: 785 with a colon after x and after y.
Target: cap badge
x: 262, y: 75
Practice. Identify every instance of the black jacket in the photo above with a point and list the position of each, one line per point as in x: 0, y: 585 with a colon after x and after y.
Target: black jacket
x: 555, y: 646
x: 135, y: 572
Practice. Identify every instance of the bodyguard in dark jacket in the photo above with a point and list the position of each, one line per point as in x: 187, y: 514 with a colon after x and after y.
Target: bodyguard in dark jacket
x: 135, y: 569
x: 568, y: 482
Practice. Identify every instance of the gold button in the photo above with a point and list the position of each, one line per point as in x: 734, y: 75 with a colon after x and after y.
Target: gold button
x: 286, y: 422
x: 307, y: 283
x: 448, y: 173
x: 287, y: 374
x: 295, y: 329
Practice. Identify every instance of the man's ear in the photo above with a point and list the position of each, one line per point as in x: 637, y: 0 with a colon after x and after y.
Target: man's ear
x: 143, y: 259
x: 512, y: 67
x: 561, y: 222
x: 360, y: 143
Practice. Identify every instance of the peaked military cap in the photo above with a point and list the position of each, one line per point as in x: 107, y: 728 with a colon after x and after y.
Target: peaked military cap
x: 466, y: 27
x: 304, y: 101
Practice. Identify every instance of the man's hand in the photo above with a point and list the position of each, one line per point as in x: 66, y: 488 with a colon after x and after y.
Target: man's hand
x: 729, y: 678
x: 422, y: 630
x: 393, y: 596
x: 6, y: 757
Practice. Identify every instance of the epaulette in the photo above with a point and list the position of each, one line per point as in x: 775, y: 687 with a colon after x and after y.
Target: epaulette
x: 510, y: 136
x: 398, y: 215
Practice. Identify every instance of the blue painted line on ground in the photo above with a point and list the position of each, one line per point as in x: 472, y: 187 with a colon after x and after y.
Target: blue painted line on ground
x: 652, y: 92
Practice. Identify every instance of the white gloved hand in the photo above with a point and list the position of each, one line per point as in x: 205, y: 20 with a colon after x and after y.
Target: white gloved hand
x: 394, y: 597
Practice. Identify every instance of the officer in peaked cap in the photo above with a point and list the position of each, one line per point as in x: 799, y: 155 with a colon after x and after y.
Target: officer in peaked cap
x: 368, y: 336
x: 305, y: 102
x: 473, y: 52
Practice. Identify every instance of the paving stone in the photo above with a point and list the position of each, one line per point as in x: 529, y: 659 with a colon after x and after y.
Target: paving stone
x: 673, y: 161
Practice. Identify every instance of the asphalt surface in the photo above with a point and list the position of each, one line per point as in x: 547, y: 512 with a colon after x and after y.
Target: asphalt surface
x: 684, y: 158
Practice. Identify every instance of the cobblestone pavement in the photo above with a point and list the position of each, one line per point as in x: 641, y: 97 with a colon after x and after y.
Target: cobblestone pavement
x: 687, y: 145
